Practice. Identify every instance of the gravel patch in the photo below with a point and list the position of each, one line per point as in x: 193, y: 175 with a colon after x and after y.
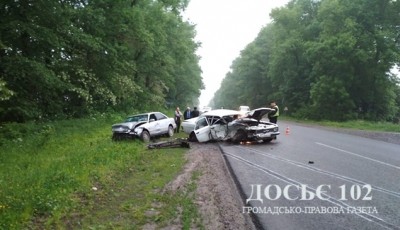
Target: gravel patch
x: 217, y: 198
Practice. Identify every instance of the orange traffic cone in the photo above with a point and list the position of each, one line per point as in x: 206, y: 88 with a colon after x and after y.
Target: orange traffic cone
x: 287, y: 132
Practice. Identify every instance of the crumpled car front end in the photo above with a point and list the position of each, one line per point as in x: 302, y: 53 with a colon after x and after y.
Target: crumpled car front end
x: 126, y: 130
x: 263, y: 132
x: 249, y: 129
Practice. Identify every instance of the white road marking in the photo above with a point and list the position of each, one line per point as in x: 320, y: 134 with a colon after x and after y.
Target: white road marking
x: 317, y: 170
x: 358, y: 155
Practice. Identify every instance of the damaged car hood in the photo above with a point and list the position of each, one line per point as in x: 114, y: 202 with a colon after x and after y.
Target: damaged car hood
x: 130, y: 125
x: 257, y: 114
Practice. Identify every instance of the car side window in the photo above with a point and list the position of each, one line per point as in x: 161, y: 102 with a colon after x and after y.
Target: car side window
x: 160, y: 116
x: 219, y: 121
x: 212, y: 119
x: 201, y: 123
x: 152, y: 116
x: 228, y: 119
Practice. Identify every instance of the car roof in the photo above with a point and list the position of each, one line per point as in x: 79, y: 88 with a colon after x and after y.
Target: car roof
x: 144, y: 114
x: 221, y: 112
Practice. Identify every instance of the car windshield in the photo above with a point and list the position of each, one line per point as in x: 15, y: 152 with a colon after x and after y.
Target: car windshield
x: 244, y: 108
x: 137, y: 118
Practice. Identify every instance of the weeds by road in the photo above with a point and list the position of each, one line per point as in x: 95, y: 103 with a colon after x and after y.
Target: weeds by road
x: 69, y: 174
x: 353, y: 124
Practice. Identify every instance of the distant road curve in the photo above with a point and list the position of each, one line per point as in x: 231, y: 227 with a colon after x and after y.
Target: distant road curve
x: 390, y: 137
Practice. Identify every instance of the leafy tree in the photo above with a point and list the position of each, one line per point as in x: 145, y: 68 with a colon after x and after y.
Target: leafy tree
x: 327, y: 59
x: 294, y: 28
x: 71, y: 58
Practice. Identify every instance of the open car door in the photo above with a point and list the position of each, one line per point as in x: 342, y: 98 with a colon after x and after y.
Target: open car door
x: 202, y: 130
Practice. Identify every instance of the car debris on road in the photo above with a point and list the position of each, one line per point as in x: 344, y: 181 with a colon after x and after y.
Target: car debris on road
x: 176, y: 143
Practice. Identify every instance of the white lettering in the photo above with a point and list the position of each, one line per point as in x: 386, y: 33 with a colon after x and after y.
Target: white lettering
x: 286, y: 192
x: 278, y: 193
x: 258, y: 193
x: 304, y: 193
x: 319, y: 191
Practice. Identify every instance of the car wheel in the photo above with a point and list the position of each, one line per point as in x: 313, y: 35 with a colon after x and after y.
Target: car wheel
x: 267, y: 140
x: 239, y: 136
x: 170, y: 131
x: 145, y: 136
x: 192, y: 137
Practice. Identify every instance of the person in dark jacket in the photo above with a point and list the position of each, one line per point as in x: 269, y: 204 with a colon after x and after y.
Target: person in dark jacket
x: 195, y: 112
x: 273, y: 115
x: 187, y: 114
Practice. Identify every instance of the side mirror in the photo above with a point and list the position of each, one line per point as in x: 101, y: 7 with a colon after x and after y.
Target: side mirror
x: 151, y: 120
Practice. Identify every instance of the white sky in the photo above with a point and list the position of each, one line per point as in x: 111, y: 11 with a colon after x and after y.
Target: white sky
x: 224, y: 28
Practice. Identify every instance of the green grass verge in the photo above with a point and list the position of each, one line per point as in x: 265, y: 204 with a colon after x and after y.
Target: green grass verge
x: 354, y: 124
x: 69, y: 174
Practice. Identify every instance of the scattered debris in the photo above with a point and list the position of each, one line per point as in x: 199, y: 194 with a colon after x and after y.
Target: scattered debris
x: 179, y: 142
x: 311, y: 162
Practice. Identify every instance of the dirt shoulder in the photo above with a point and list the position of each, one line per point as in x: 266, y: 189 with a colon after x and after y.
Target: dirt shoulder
x: 216, y: 195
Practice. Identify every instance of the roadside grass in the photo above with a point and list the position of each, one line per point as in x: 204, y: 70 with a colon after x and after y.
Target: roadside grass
x: 69, y: 174
x: 353, y: 124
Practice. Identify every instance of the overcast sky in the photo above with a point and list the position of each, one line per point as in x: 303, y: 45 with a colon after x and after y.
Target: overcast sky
x: 224, y: 28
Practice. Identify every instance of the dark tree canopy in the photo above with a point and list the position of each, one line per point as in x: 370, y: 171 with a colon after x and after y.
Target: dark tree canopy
x: 323, y: 59
x: 70, y: 58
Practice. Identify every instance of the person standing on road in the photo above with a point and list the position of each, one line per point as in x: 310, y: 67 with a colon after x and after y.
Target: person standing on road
x: 195, y: 112
x: 178, y: 115
x: 274, y: 114
x: 187, y: 114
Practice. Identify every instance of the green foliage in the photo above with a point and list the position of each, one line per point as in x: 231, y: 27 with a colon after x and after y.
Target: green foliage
x: 328, y: 59
x: 5, y: 93
x: 74, y: 58
x: 363, y: 125
x: 330, y: 99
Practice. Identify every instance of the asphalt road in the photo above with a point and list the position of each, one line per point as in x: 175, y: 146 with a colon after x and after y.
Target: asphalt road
x: 314, y: 178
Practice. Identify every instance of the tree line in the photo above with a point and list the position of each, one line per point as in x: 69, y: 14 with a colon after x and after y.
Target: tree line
x: 71, y: 58
x: 322, y: 59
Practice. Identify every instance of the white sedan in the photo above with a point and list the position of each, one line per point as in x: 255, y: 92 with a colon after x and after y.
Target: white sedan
x: 189, y: 124
x: 144, y: 126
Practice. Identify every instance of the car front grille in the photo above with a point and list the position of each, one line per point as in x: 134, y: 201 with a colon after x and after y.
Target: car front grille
x: 120, y: 128
x: 272, y: 130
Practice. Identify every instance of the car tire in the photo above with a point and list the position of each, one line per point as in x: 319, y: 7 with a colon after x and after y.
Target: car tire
x: 115, y: 137
x: 239, y: 136
x: 145, y: 136
x: 170, y: 131
x: 192, y: 137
